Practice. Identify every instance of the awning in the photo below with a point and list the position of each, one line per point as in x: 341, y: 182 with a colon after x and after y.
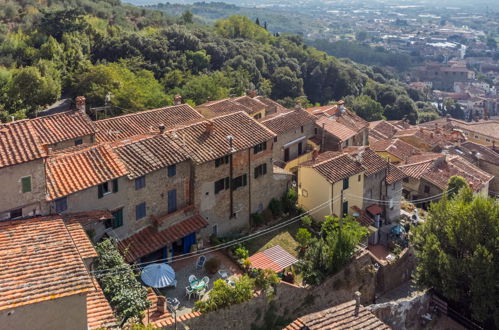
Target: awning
x: 275, y: 258
x: 375, y: 209
x: 294, y: 141
x: 149, y: 239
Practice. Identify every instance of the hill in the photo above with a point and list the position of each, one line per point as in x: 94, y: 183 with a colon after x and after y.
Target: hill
x: 133, y: 58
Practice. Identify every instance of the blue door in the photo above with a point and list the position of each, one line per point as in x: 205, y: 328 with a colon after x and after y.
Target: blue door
x: 188, y: 241
x: 172, y: 201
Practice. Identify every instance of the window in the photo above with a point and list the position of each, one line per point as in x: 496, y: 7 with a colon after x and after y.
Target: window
x: 240, y: 181
x: 172, y: 201
x: 140, y: 182
x: 344, y: 206
x: 359, y: 178
x: 140, y: 211
x: 78, y: 142
x: 302, y: 129
x: 315, y: 131
x: 476, y: 136
x: 117, y: 220
x: 275, y: 138
x: 222, y: 160
x: 172, y: 170
x: 488, y: 140
x: 346, y: 183
x: 258, y: 116
x: 103, y: 189
x: 26, y: 184
x: 115, y: 185
x: 222, y: 184
x: 286, y: 155
x: 260, y: 147
x: 16, y: 213
x: 426, y: 189
x: 300, y: 148
x: 214, y: 230
x: 61, y: 204
x: 405, y: 179
x: 260, y: 170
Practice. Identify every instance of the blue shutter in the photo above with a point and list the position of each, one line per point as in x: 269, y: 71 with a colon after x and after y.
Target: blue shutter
x: 172, y: 201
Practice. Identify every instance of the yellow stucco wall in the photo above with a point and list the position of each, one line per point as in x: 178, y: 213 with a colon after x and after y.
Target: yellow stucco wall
x: 387, y: 155
x: 477, y: 137
x: 314, y: 190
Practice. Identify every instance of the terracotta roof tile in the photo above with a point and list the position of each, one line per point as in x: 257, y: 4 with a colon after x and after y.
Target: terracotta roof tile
x: 340, y: 317
x: 99, y: 312
x: 362, y: 217
x: 150, y: 154
x: 204, y: 145
x: 382, y: 129
x: 286, y: 121
x: 335, y: 166
x: 144, y: 122
x: 394, y: 174
x: 250, y: 105
x: 396, y: 147
x: 372, y: 162
x: 71, y: 172
x: 87, y: 217
x: 63, y: 126
x: 481, y: 152
x: 149, y: 239
x: 19, y: 143
x: 416, y: 170
x: 272, y: 106
x: 422, y: 134
x: 81, y: 240
x: 275, y: 258
x: 39, y: 262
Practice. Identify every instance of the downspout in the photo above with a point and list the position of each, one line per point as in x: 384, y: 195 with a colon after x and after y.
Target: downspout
x: 231, y: 172
x: 249, y: 185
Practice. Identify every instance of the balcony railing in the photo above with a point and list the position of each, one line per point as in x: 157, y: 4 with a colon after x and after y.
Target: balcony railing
x: 306, y: 155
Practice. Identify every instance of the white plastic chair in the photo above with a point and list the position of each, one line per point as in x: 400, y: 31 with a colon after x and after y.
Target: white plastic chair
x: 188, y: 291
x: 192, y: 278
x: 200, y: 293
x: 206, y: 280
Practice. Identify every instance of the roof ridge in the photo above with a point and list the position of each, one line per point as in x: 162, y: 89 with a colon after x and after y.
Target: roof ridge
x: 136, y: 113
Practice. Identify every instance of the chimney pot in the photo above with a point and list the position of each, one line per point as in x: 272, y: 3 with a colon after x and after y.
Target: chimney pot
x: 177, y: 99
x: 251, y: 93
x: 161, y: 128
x: 209, y: 127
x: 80, y: 103
x: 357, y: 295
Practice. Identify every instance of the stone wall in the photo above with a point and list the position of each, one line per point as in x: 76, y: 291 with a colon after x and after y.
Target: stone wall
x: 403, y: 314
x: 291, y: 301
x: 392, y: 275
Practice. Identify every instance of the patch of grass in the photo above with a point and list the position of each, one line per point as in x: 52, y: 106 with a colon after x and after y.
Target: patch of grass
x: 284, y: 237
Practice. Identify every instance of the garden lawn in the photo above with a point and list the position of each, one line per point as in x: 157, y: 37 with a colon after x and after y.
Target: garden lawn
x: 284, y: 237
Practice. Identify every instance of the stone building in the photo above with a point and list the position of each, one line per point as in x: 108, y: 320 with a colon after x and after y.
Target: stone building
x: 46, y: 281
x: 337, y: 127
x: 292, y: 144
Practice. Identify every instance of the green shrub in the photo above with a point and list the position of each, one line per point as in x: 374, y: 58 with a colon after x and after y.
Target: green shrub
x: 306, y: 220
x: 266, y: 278
x: 241, y: 252
x: 289, y: 200
x: 257, y: 219
x: 303, y: 237
x: 223, y: 295
x: 212, y: 265
x: 267, y: 215
x: 214, y: 240
x: 275, y: 207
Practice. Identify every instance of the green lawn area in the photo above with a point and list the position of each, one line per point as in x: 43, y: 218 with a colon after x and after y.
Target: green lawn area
x: 283, y: 237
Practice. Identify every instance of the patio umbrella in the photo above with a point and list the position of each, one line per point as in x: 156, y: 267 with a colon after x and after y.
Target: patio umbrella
x: 158, y: 275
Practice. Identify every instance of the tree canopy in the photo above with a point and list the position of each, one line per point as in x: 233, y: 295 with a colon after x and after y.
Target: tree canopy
x: 457, y: 252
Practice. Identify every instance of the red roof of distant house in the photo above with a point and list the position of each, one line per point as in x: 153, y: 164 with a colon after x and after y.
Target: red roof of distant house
x: 275, y: 258
x: 396, y: 147
x: 99, y: 312
x: 19, y: 143
x: 149, y: 239
x: 368, y: 158
x: 335, y: 166
x: 280, y: 123
x: 63, y: 126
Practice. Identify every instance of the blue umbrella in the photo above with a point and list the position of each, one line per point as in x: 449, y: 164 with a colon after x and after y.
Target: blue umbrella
x: 158, y: 275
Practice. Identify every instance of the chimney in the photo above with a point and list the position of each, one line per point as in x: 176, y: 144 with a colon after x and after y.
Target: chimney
x: 209, y: 127
x: 161, y: 128
x: 177, y: 99
x: 298, y: 106
x: 341, y: 106
x: 357, y: 295
x: 315, y: 154
x: 251, y: 93
x: 80, y: 103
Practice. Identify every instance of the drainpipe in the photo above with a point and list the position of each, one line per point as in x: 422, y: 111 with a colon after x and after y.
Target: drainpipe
x: 249, y: 185
x: 231, y: 173
x: 323, y: 137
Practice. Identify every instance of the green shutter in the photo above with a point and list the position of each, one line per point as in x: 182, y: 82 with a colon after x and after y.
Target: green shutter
x: 26, y: 184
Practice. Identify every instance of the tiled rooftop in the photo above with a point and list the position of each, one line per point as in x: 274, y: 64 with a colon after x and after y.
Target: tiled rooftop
x: 275, y: 258
x: 19, y: 143
x: 150, y: 240
x: 70, y: 172
x: 63, y: 126
x: 40, y: 262
x: 150, y: 154
x: 382, y: 129
x: 248, y: 104
x: 396, y: 147
x: 335, y: 166
x: 338, y: 317
x: 203, y: 144
x: 99, y: 312
x: 394, y: 174
x: 145, y: 122
x: 283, y: 122
x: 372, y: 162
x: 335, y: 128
